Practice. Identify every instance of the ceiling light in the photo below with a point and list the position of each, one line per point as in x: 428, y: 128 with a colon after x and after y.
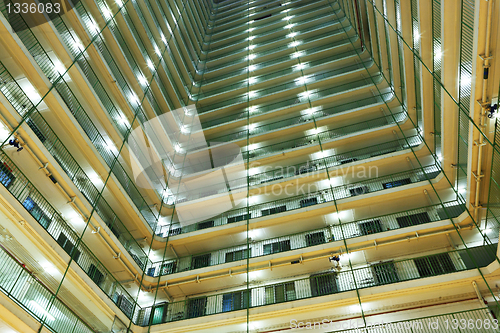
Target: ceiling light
x: 37, y: 308
x: 253, y: 108
x: 251, y: 29
x: 252, y: 80
x: 150, y: 64
x: 292, y: 34
x: 157, y: 50
x: 143, y: 80
x: 295, y: 43
x: 296, y: 54
x: 251, y: 56
x: 163, y: 39
x: 252, y: 68
x: 251, y: 47
x: 286, y: 18
x: 289, y: 26
x: 251, y: 38
x: 252, y: 94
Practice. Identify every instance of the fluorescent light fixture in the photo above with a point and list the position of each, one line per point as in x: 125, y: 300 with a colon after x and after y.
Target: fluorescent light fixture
x: 94, y: 26
x: 184, y: 129
x: 292, y: 34
x: 295, y: 43
x: 252, y: 21
x: 163, y: 39
x: 416, y: 35
x: 122, y: 119
x: 297, y: 54
x: 301, y: 66
x: 286, y: 10
x: 251, y: 127
x: 305, y: 94
x: 252, y: 80
x: 301, y: 80
x: 311, y: 110
x: 34, y: 305
x: 252, y: 146
x: 251, y: 47
x: 315, y: 130
x: 252, y: 68
x: 150, y: 64
x: 462, y: 190
x: 107, y: 12
x: 133, y: 97
x: 119, y: 2
x: 178, y: 149
x: 287, y: 3
x: 465, y: 80
x: 253, y: 108
x: 438, y: 55
x: 251, y: 56
x: 289, y: 26
x: 143, y: 80
x: 252, y: 93
x: 286, y: 18
x: 157, y: 50
x: 251, y: 29
x: 251, y: 38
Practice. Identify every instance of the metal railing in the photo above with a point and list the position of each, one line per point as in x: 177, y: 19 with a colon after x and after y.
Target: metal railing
x: 324, y: 283
x: 21, y: 286
x: 310, y: 199
x: 335, y: 232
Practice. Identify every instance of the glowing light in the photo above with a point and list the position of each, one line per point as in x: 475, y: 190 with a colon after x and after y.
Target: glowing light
x: 301, y: 80
x: 119, y: 2
x: 150, y: 64
x: 163, y: 39
x: 295, y: 43
x: 311, y: 110
x: 157, y: 50
x: 252, y: 68
x: 251, y: 47
x: 286, y: 10
x: 41, y: 310
x: 297, y: 54
x: 184, y: 129
x: 252, y: 80
x: 252, y: 146
x: 289, y: 26
x: 134, y: 98
x: 300, y: 66
x: 122, y: 119
x: 438, y: 55
x: 251, y: 56
x: 251, y: 127
x: 462, y: 190
x: 251, y: 38
x: 286, y: 18
x: 416, y: 36
x: 305, y: 94
x: 179, y: 149
x: 107, y: 13
x: 251, y: 29
x: 143, y: 80
x: 253, y: 108
x: 252, y: 21
x: 252, y: 94
x: 292, y: 34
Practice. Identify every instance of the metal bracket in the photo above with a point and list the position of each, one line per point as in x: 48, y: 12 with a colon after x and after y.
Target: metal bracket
x: 96, y: 231
x: 117, y: 256
x: 485, y: 58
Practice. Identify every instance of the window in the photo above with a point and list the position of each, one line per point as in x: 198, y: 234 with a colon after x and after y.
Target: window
x: 280, y: 293
x: 370, y: 227
x: 174, y: 232
x: 200, y: 261
x: 237, y: 255
x: 205, y: 225
x: 323, y: 284
x: 315, y: 238
x: 277, y: 247
x: 274, y: 210
x: 238, y: 218
x: 359, y: 190
x: 308, y: 202
x: 95, y: 274
x: 434, y: 265
x: 168, y: 267
x: 384, y: 273
x: 196, y: 307
x: 414, y: 219
x: 67, y: 246
x: 397, y: 183
x: 235, y: 301
x: 6, y: 176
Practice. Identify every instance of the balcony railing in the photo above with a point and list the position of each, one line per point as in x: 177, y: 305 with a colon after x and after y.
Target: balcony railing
x: 49, y: 218
x: 321, y: 284
x: 346, y: 230
x: 305, y: 168
x: 310, y: 199
x: 21, y: 286
x: 21, y: 103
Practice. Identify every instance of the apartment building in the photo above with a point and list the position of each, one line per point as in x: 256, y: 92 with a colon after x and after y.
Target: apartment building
x: 249, y: 166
